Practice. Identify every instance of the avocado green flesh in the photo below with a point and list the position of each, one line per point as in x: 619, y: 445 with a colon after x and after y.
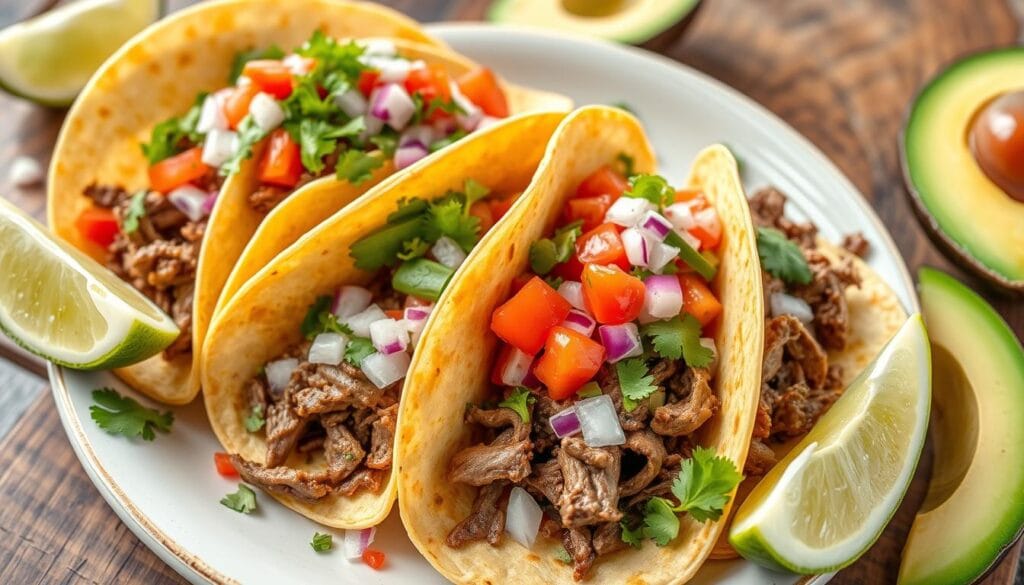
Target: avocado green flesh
x: 967, y: 207
x: 626, y: 21
x: 975, y: 503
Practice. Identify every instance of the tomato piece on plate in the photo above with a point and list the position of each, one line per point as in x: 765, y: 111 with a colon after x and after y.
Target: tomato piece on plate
x: 177, y: 170
x: 98, y: 225
x: 603, y: 181
x: 698, y: 300
x: 569, y: 361
x: 270, y: 76
x: 281, y: 164
x: 373, y: 558
x: 602, y: 245
x: 613, y: 296
x: 236, y: 103
x: 224, y: 465
x: 526, y: 319
x: 367, y: 81
x: 481, y: 87
x: 590, y: 210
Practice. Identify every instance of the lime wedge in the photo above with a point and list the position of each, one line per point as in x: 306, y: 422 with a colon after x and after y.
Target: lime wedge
x: 48, y: 59
x: 828, y: 500
x: 62, y: 305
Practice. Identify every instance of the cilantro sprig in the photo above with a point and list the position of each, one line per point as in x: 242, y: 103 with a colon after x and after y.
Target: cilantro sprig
x: 519, y: 401
x: 358, y: 349
x: 547, y: 253
x: 122, y: 415
x: 322, y: 542
x: 255, y: 421
x: 169, y: 137
x: 243, y: 501
x: 136, y: 211
x: 635, y: 381
x: 781, y: 257
x: 679, y: 337
x: 653, y: 188
x: 319, y: 319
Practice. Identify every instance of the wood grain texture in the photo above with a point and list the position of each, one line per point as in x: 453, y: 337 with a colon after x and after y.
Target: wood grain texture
x: 840, y: 71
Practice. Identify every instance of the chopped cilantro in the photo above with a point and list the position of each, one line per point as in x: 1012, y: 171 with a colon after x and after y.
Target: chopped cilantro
x: 242, y: 501
x: 450, y: 217
x: 382, y: 248
x: 631, y: 536
x: 255, y: 421
x: 168, y: 137
x: 136, y: 211
x: 660, y: 521
x: 679, y: 337
x: 781, y: 257
x: 413, y: 248
x: 121, y: 415
x: 554, y: 281
x: 474, y: 191
x: 563, y: 555
x: 322, y: 542
x: 305, y: 102
x: 547, y: 253
x: 386, y: 142
x: 519, y: 401
x: 356, y: 166
x: 635, y: 381
x: 243, y: 57
x: 319, y: 319
x: 318, y: 139
x: 249, y: 133
x: 447, y: 140
x: 358, y: 349
x: 653, y: 188
x: 408, y: 209
x: 332, y: 56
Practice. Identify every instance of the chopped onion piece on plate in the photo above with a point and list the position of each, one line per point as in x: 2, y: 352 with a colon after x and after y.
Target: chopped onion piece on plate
x: 357, y: 541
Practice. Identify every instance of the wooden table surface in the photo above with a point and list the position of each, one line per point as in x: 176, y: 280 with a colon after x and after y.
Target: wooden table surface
x: 841, y: 72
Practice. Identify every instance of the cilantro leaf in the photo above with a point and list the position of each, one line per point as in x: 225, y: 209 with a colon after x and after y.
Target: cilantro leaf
x: 563, y: 555
x: 447, y: 140
x: 249, y: 133
x: 305, y: 102
x: 358, y: 349
x: 448, y: 217
x: 356, y: 166
x: 319, y: 319
x: 408, y: 209
x: 332, y: 56
x: 474, y: 191
x: 679, y: 338
x: 255, y: 420
x: 122, y: 415
x: 322, y: 542
x: 243, y: 57
x: 136, y: 211
x: 242, y: 501
x: 631, y: 536
x: 413, y: 248
x: 781, y: 257
x: 519, y: 401
x: 653, y: 188
x: 170, y: 136
x: 660, y: 521
x: 704, y: 484
x: 635, y: 381
x: 318, y: 139
x: 381, y: 248
x: 386, y: 142
x: 547, y: 253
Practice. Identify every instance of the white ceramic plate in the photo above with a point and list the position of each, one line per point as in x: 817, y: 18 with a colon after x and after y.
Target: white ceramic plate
x: 167, y: 491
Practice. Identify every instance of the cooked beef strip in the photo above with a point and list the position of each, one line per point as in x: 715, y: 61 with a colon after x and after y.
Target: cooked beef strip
x: 281, y: 480
x: 787, y: 340
x: 329, y: 388
x: 608, y: 539
x: 382, y: 442
x: 651, y: 447
x: 266, y: 197
x: 505, y: 458
x: 826, y: 294
x: 760, y: 458
x: 544, y: 438
x: 695, y: 405
x: 485, y: 521
x: 284, y: 427
x: 577, y: 543
x: 371, y: 480
x: 767, y: 208
x: 546, y: 481
x: 763, y: 419
x: 256, y: 395
x: 106, y: 196
x: 341, y: 449
x: 590, y: 491
x: 856, y: 244
x: 662, y: 485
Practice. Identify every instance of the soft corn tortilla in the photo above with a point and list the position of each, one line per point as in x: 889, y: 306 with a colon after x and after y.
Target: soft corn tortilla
x: 262, y: 320
x: 453, y: 368
x: 157, y: 75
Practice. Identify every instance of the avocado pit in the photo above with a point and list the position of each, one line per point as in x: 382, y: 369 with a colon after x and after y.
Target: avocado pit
x: 997, y: 142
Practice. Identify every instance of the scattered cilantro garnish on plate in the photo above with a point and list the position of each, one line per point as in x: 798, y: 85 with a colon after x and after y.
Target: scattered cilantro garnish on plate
x: 547, y: 253
x: 136, y: 211
x: 702, y: 489
x: 679, y: 338
x: 167, y: 136
x: 563, y: 555
x: 322, y: 542
x: 255, y: 420
x: 358, y: 349
x: 319, y: 319
x: 653, y: 188
x: 781, y: 257
x: 121, y: 415
x: 635, y: 381
x: 242, y: 501
x: 519, y: 401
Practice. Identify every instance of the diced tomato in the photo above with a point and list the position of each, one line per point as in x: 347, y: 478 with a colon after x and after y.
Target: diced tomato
x: 281, y: 164
x: 236, y: 104
x: 698, y: 300
x: 520, y: 281
x: 526, y: 319
x: 367, y: 80
x: 373, y: 558
x: 707, y: 228
x: 591, y: 210
x: 482, y: 210
x: 613, y: 296
x: 481, y: 87
x: 395, y: 314
x: 430, y: 82
x: 270, y: 76
x: 569, y: 361
x: 602, y: 245
x: 571, y: 269
x: 512, y: 367
x: 603, y: 181
x: 177, y: 170
x: 224, y: 465
x: 684, y: 195
x: 98, y: 225
x: 500, y: 206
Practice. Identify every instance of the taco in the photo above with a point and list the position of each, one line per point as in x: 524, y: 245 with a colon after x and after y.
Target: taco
x: 215, y: 160
x: 304, y: 367
x: 604, y: 350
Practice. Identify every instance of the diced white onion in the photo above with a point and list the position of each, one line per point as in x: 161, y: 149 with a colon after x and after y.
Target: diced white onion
x: 783, y: 304
x: 219, y: 147
x: 328, y: 348
x: 357, y: 541
x: 389, y: 336
x: 211, y: 115
x: 395, y: 70
x: 663, y: 298
x: 415, y: 319
x: 360, y: 322
x: 522, y: 517
x: 710, y: 344
x: 424, y: 135
x: 516, y: 367
x: 189, y: 200
x: 351, y: 102
x: 448, y: 252
x: 373, y: 126
x: 627, y: 211
x: 351, y: 300
x: 378, y: 47
x: 266, y: 112
x: 659, y: 255
x: 637, y: 247
x: 580, y: 322
x: 410, y: 154
x: 620, y: 341
x: 680, y: 215
x: 654, y: 226
x: 385, y: 370
x: 297, y: 64
x: 599, y: 422
x: 279, y: 372
x: 572, y: 291
x: 471, y: 115
x: 392, y: 104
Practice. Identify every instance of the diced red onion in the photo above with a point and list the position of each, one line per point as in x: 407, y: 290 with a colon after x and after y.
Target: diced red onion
x: 378, y: 47
x: 783, y: 304
x: 189, y: 200
x: 680, y: 215
x: 219, y: 147
x: 415, y: 319
x: 211, y: 115
x: 279, y: 372
x: 448, y: 252
x: 418, y: 313
x: 579, y: 321
x: 351, y: 102
x: 708, y: 221
x: 599, y: 422
x: 357, y: 541
x: 297, y: 64
x: 572, y: 291
x: 516, y: 369
x: 360, y: 322
x: 424, y: 135
x: 636, y: 246
x: 385, y: 370
x: 328, y: 348
x: 471, y: 114
x: 655, y: 226
x: 266, y: 112
x: 620, y: 341
x: 392, y: 104
x: 410, y: 154
x: 565, y: 423
x: 627, y: 211
x: 663, y: 298
x: 209, y: 202
x: 389, y: 336
x: 522, y: 517
x: 351, y: 300
x: 659, y: 255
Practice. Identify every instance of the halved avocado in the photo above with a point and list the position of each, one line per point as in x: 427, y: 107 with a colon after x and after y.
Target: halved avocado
x: 963, y: 210
x: 626, y: 21
x: 974, y: 509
